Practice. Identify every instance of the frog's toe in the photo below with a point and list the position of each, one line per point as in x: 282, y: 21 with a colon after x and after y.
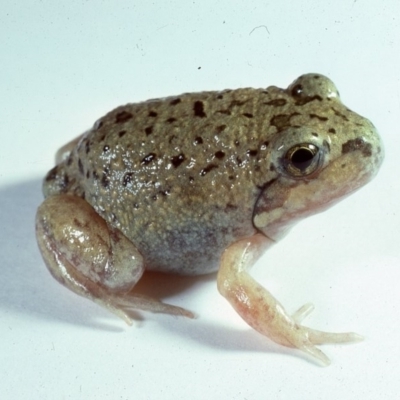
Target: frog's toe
x: 303, y: 312
x: 306, y: 340
x: 319, y: 337
x: 316, y: 353
x: 132, y: 302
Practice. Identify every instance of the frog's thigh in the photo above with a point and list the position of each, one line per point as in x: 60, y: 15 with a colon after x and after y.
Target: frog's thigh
x: 91, y: 258
x: 261, y: 310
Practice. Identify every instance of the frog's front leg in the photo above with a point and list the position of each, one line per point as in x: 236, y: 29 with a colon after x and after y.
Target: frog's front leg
x: 91, y: 258
x: 261, y: 310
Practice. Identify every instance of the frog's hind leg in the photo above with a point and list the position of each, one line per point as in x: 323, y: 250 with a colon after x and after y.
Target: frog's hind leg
x: 261, y: 310
x: 91, y: 258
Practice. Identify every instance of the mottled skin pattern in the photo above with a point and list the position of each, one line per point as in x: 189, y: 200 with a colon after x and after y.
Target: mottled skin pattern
x: 185, y: 177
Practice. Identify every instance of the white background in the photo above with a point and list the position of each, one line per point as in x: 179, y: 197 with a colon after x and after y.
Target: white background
x: 66, y: 63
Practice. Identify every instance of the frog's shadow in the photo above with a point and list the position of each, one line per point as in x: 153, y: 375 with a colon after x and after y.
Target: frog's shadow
x: 28, y: 287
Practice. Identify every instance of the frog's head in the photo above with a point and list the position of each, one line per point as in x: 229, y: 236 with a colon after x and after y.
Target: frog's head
x: 320, y: 153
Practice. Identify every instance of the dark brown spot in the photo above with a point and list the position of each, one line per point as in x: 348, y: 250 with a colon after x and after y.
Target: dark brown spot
x: 80, y: 166
x: 314, y: 134
x: 87, y: 174
x: 106, y: 148
x: 318, y: 117
x: 175, y: 102
x: 198, y: 108
x: 148, y: 159
x: 276, y: 103
x: 105, y: 180
x: 220, y: 154
x: 191, y: 179
x: 102, y: 137
x: 123, y: 116
x: 231, y: 177
x: 171, y: 120
x: 237, y: 103
x: 152, y: 114
x: 307, y: 99
x: 77, y: 223
x: 95, y: 175
x: 52, y: 174
x: 282, y: 121
x: 272, y: 167
x: 264, y: 146
x: 237, y: 143
x: 127, y: 178
x: 166, y: 192
x: 220, y: 128
x: 177, y: 160
x: 331, y: 130
x: 220, y: 96
x: 148, y: 130
x: 122, y: 133
x: 357, y: 144
x: 338, y: 114
x: 87, y: 147
x: 239, y: 161
x: 69, y: 159
x: 207, y: 169
x: 252, y: 153
x: 231, y: 206
x: 248, y: 115
x: 198, y: 140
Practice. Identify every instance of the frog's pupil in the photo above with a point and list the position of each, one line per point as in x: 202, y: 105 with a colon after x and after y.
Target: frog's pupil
x: 302, y: 158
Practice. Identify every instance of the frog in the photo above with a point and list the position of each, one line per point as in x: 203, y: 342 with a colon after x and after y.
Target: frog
x: 201, y: 183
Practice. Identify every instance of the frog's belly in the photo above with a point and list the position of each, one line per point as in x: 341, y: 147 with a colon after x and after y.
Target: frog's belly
x: 191, y: 249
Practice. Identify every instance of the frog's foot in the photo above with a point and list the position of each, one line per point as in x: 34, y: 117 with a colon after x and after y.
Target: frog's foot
x: 261, y: 310
x: 305, y: 339
x: 93, y: 259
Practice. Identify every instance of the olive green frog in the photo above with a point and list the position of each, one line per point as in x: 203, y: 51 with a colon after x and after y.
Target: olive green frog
x: 198, y: 183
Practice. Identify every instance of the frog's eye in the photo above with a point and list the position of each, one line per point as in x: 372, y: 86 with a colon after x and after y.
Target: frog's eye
x: 302, y: 160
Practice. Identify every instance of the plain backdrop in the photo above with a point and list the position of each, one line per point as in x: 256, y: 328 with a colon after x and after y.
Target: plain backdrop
x: 63, y: 65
